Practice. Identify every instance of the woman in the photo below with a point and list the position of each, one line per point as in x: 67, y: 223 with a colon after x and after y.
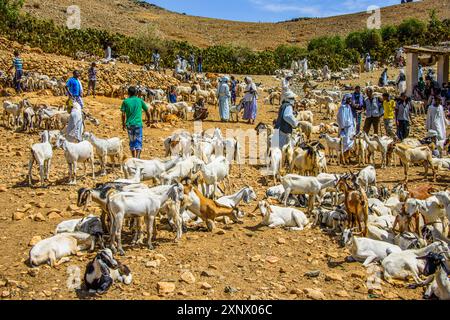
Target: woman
x: 249, y: 101
x: 75, y: 126
x: 233, y: 88
x: 223, y: 92
x: 401, y: 82
x: 346, y: 125
x: 436, y: 119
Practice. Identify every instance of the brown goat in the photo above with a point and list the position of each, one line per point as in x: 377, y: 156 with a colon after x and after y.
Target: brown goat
x: 210, y: 210
x: 356, y: 203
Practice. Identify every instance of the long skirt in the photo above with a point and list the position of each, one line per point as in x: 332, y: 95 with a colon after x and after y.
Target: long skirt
x: 224, y: 109
x: 250, y: 109
x: 347, y: 135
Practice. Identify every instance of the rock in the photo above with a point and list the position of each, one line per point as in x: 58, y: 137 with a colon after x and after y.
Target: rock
x: 33, y: 272
x: 390, y: 295
x: 187, y: 277
x: 332, y: 255
x: 39, y: 217
x: 205, y: 285
x: 18, y: 216
x: 309, y: 241
x: 34, y: 240
x: 272, y: 259
x: 6, y: 294
x: 153, y: 264
x: 342, y: 294
x: 220, y: 232
x: 281, y: 241
x: 312, y: 274
x: 53, y: 215
x: 160, y: 257
x: 3, y: 188
x: 296, y: 291
x: 229, y: 289
x: 333, y: 277
x: 255, y: 258
x: 314, y: 294
x: 208, y: 274
x: 211, y: 266
x: 165, y: 287
x: 41, y: 205
x: 72, y: 207
x: 56, y: 210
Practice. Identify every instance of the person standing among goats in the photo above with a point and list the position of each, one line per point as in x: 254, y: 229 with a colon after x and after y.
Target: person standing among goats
x: 17, y: 64
x: 383, y: 82
x: 131, y: 109
x: 92, y: 79
x: 403, y: 116
x: 200, y: 63
x: 346, y: 125
x: 286, y: 120
x: 374, y: 112
x: 233, y: 89
x: 367, y: 63
x: 250, y: 101
x: 357, y: 107
x: 75, y: 125
x: 436, y: 119
x: 401, y: 81
x: 389, y: 114
x: 224, y: 95
x: 74, y: 89
x: 285, y: 83
x: 156, y: 58
x: 192, y: 61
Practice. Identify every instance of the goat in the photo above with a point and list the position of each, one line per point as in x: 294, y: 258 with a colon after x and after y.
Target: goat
x: 214, y: 172
x: 103, y: 270
x: 151, y: 169
x: 274, y: 162
x: 333, y: 146
x: 409, y: 155
x: 367, y: 177
x: 289, y: 218
x: 306, y: 160
x: 401, y: 265
x: 59, y: 246
x: 42, y: 154
x: 106, y: 148
x: 74, y: 153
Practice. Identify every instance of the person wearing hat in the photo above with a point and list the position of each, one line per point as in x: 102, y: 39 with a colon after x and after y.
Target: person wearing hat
x: 224, y: 95
x: 436, y: 119
x: 346, y: 124
x: 403, y: 116
x: 286, y: 120
x: 200, y: 111
x: 374, y: 112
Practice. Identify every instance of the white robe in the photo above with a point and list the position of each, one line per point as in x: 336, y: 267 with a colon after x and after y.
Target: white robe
x: 346, y: 126
x: 436, y: 121
x: 75, y: 126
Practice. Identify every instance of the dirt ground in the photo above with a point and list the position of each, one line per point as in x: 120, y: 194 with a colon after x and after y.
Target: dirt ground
x: 257, y: 262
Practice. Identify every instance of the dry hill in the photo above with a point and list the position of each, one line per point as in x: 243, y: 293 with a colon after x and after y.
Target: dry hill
x: 128, y: 17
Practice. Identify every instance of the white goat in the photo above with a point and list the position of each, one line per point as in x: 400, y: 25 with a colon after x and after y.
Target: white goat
x: 289, y: 218
x: 106, y: 148
x: 367, y: 177
x: 42, y: 154
x: 214, y: 172
x: 151, y: 169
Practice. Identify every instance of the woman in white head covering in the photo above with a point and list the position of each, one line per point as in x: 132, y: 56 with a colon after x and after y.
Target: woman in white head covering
x: 224, y: 94
x: 75, y: 126
x: 401, y: 82
x: 436, y: 119
x: 249, y: 101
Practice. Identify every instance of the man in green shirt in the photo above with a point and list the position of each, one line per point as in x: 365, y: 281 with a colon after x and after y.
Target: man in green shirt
x: 132, y: 120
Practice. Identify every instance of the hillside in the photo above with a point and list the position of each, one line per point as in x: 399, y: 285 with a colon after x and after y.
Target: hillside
x: 130, y: 18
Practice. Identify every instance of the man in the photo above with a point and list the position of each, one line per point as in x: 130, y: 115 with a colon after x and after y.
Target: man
x: 401, y: 81
x: 383, y: 78
x: 346, y: 125
x: 92, y: 77
x: 200, y: 63
x: 192, y: 61
x: 132, y: 120
x: 18, y: 74
x: 431, y: 140
x: 75, y: 125
x: 74, y: 89
x: 389, y: 114
x: 436, y: 119
x: 357, y: 107
x: 224, y: 95
x: 286, y: 120
x: 156, y: 58
x: 403, y: 116
x: 374, y: 112
x: 367, y: 63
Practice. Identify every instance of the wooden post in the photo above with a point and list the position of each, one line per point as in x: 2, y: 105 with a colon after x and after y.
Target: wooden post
x: 412, y: 72
x: 442, y: 69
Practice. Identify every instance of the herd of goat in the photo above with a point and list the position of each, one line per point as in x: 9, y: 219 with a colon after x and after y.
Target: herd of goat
x: 405, y: 230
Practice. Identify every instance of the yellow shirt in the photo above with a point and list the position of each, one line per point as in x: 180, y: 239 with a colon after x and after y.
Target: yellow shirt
x: 389, y: 109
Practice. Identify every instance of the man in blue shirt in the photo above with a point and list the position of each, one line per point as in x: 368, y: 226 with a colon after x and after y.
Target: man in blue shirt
x: 74, y: 88
x: 374, y: 112
x: 18, y: 66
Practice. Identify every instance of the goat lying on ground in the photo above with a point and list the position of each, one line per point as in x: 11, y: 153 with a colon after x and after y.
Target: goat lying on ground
x: 289, y: 218
x: 101, y: 272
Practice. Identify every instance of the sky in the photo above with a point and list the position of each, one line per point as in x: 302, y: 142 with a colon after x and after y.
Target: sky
x: 268, y: 10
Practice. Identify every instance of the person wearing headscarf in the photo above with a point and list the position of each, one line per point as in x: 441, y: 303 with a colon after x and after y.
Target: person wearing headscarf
x: 383, y: 78
x: 249, y: 101
x: 233, y: 89
x: 346, y: 123
x: 357, y: 107
x: 285, y: 83
x: 436, y: 119
x: 75, y: 125
x: 224, y: 95
x: 286, y: 120
x: 326, y: 75
x: 367, y: 63
x: 401, y: 81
